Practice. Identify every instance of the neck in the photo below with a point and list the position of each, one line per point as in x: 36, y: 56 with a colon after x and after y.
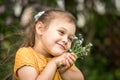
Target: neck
x: 40, y: 50
x: 38, y: 47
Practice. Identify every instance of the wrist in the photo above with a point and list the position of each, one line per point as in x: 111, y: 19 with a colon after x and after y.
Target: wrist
x: 53, y: 63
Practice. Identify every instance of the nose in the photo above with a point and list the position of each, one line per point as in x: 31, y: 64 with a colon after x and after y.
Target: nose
x: 65, y: 40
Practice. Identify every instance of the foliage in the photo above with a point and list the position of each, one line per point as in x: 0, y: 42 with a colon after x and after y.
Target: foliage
x: 78, y: 48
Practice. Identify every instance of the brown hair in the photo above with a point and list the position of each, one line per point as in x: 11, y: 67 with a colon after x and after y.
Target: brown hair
x: 46, y: 18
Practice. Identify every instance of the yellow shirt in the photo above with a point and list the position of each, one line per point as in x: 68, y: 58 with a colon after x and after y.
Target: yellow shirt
x: 27, y: 56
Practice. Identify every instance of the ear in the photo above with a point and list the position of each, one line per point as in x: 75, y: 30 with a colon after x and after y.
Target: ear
x: 39, y: 28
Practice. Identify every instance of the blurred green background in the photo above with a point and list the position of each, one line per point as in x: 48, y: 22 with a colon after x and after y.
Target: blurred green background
x: 97, y: 20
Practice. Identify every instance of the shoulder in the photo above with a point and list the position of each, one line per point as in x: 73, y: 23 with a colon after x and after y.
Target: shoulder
x: 24, y: 51
x: 24, y: 55
x: 24, y: 59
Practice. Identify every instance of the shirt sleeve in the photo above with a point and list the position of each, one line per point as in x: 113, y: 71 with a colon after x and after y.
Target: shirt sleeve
x: 23, y: 58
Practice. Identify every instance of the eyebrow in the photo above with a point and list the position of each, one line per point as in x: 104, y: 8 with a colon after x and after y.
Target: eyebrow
x: 63, y: 28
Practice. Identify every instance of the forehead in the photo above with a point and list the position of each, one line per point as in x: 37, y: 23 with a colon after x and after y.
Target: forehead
x: 63, y: 23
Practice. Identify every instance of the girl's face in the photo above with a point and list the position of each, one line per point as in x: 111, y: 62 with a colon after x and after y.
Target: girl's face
x: 57, y: 38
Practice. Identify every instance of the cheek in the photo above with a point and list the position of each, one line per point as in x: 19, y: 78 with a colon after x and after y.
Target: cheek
x: 69, y: 46
x: 50, y: 38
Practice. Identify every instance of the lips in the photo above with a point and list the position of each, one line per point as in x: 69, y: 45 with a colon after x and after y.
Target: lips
x: 62, y: 46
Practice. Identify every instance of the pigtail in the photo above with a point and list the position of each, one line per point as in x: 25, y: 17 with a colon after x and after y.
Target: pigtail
x: 29, y: 36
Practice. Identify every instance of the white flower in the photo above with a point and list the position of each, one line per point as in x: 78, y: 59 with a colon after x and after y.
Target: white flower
x: 77, y: 47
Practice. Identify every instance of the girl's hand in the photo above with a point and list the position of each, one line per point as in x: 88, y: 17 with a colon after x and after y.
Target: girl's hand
x: 65, y: 61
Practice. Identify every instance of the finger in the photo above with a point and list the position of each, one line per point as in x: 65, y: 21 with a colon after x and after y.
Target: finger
x: 73, y: 54
x: 67, y: 63
x: 63, y: 68
x: 72, y: 57
x: 61, y: 64
x: 66, y: 66
x: 71, y: 60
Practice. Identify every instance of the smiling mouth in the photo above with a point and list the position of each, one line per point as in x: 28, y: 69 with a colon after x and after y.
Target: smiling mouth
x: 62, y: 46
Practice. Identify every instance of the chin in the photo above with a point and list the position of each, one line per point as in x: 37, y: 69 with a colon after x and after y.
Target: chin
x: 57, y: 53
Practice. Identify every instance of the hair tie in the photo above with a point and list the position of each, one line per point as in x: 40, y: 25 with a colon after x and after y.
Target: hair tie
x: 36, y: 17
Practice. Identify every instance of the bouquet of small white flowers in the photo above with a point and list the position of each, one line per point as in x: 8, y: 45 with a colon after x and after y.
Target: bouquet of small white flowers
x: 78, y: 48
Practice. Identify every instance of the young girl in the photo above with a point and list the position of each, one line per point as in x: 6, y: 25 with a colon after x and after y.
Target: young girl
x: 44, y: 55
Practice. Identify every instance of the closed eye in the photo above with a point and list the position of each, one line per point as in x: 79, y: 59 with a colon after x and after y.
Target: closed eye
x: 61, y: 32
x: 70, y: 39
